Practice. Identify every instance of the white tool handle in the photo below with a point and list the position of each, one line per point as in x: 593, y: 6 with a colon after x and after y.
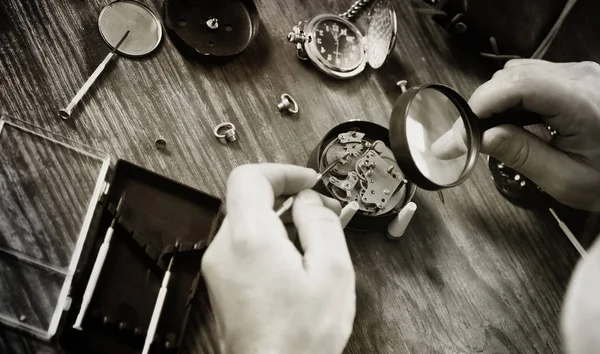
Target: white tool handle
x: 66, y: 112
x: 91, y: 285
x: 160, y: 301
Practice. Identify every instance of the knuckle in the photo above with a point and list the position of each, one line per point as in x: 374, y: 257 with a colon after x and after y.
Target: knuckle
x: 518, y: 75
x: 588, y: 67
x: 520, y: 157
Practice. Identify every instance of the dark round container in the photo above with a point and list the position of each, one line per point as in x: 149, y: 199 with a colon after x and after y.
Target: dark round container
x: 360, y: 221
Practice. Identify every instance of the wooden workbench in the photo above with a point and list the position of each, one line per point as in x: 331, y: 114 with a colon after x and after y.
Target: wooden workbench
x: 472, y: 274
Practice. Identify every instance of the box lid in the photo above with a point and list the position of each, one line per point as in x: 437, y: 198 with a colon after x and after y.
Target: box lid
x: 49, y: 188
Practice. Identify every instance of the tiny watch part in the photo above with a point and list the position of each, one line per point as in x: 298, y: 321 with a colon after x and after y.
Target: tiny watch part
x: 338, y: 48
x: 225, y: 132
x: 369, y: 175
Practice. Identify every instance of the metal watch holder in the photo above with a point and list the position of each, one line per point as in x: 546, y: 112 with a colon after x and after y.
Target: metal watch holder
x: 57, y: 204
x: 373, y: 131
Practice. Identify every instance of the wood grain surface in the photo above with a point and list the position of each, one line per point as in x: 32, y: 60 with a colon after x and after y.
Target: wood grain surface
x: 473, y: 274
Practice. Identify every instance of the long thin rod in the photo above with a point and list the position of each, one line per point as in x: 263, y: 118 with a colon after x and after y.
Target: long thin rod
x: 97, y: 269
x: 158, y: 306
x: 65, y: 113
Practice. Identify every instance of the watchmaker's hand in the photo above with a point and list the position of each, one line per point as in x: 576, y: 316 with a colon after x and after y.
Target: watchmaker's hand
x: 268, y: 297
x: 567, y: 95
x: 581, y: 310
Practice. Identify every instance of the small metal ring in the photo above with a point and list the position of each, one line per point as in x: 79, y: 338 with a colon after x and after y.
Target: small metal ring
x: 228, y: 133
x: 294, y: 108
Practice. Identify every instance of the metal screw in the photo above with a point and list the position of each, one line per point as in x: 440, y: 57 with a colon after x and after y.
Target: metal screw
x: 386, y: 191
x: 390, y: 169
x: 372, y: 181
x: 288, y: 103
x: 517, y: 177
x: 380, y: 205
x: 212, y: 23
x: 22, y: 318
x: 402, y: 84
x: 372, y: 192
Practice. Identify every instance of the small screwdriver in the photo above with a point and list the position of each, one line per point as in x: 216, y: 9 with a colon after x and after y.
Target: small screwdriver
x: 160, y: 302
x: 97, y: 269
x: 287, y: 204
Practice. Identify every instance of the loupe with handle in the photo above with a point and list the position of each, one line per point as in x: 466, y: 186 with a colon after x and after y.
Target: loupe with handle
x: 420, y: 117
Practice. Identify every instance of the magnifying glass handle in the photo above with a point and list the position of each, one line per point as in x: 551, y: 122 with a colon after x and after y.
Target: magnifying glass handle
x: 514, y: 116
x: 65, y: 113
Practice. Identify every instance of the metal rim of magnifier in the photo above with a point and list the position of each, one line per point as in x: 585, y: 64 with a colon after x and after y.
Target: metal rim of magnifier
x: 401, y: 147
x: 150, y: 13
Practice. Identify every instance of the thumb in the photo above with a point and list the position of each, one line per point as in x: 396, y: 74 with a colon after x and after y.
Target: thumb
x: 519, y: 149
x: 551, y: 169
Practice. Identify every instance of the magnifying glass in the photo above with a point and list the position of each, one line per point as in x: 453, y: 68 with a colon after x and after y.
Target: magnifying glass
x: 421, y: 116
x: 130, y: 29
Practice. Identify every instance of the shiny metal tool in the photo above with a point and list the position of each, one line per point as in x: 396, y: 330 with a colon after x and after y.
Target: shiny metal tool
x: 97, y: 269
x: 287, y: 204
x: 65, y: 113
x: 158, y: 306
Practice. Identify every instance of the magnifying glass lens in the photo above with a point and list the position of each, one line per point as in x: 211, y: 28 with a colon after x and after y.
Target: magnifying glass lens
x: 145, y: 31
x: 430, y: 115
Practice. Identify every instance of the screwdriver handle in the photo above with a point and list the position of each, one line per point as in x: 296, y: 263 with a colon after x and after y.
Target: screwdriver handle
x: 94, y: 276
x: 160, y: 301
x: 65, y: 113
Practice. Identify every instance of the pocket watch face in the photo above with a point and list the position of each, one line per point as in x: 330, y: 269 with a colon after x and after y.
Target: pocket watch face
x: 336, y: 45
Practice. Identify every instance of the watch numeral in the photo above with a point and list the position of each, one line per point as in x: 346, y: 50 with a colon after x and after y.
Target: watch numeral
x: 344, y: 32
x: 319, y: 41
x: 323, y: 50
x: 350, y: 39
x: 338, y: 61
x: 329, y: 57
x: 320, y: 32
x: 326, y: 28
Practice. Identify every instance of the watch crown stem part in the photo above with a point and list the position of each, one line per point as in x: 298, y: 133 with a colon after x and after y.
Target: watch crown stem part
x: 402, y: 84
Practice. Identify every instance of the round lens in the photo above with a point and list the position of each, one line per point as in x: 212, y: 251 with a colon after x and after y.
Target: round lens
x: 145, y: 31
x: 431, y: 115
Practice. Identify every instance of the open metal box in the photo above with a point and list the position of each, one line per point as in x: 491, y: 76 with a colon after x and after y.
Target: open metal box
x: 56, y: 204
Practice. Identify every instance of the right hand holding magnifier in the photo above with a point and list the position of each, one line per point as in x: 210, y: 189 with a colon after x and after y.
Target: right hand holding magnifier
x: 567, y: 97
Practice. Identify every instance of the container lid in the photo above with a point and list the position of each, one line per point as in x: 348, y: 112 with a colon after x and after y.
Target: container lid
x: 211, y: 28
x: 50, y: 186
x: 381, y: 33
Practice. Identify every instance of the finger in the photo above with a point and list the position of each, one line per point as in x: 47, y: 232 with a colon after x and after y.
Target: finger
x: 321, y: 235
x: 520, y: 62
x: 253, y: 188
x: 580, y: 320
x: 328, y: 202
x: 452, y: 143
x: 535, y: 90
x: 546, y: 166
x: 541, y: 131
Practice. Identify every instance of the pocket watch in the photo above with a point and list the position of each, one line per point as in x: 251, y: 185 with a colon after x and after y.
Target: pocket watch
x: 338, y: 48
